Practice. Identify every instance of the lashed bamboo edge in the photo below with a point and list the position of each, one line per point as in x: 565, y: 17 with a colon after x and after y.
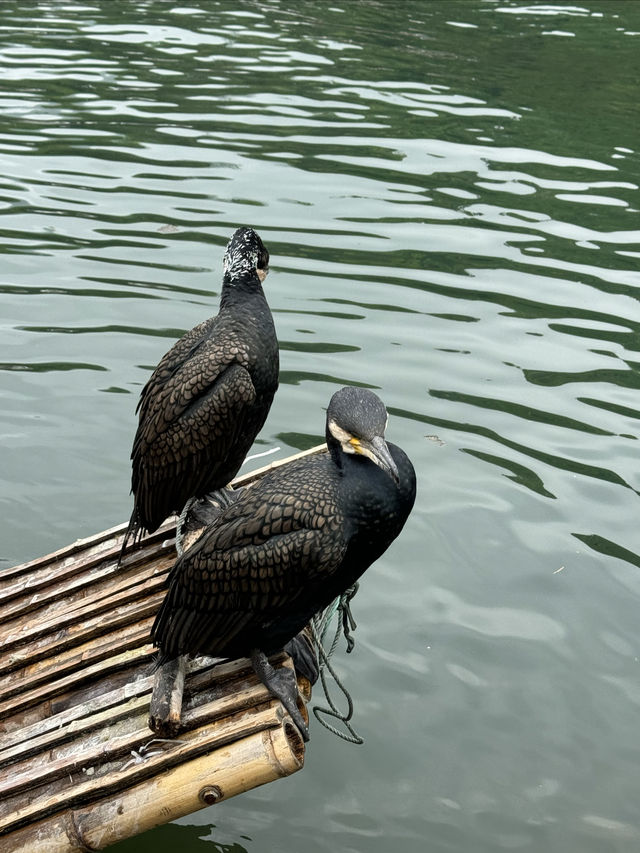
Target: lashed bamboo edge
x: 254, y: 760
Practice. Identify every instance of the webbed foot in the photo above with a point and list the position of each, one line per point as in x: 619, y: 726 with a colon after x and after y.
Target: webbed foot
x: 283, y: 685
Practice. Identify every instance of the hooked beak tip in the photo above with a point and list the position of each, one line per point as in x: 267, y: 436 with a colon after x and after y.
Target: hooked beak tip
x: 384, y: 459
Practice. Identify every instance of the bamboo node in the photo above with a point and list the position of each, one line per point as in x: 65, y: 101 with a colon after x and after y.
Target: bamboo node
x: 210, y: 795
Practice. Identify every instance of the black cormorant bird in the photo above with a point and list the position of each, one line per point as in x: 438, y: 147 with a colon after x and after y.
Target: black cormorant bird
x: 209, y: 396
x: 288, y: 545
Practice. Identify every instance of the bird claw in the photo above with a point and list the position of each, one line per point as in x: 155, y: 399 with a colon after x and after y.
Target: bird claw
x: 285, y: 687
x: 282, y: 684
x: 298, y: 721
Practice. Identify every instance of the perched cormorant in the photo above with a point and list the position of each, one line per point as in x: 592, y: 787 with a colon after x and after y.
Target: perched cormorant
x: 209, y: 396
x: 288, y: 545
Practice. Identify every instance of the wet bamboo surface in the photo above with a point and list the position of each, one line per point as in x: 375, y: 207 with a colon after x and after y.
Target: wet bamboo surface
x: 79, y: 767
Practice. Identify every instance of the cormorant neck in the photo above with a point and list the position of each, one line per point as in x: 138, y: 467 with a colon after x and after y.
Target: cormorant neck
x: 239, y: 287
x: 337, y: 453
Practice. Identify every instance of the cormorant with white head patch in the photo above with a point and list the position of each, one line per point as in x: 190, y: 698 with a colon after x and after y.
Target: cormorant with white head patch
x: 209, y: 396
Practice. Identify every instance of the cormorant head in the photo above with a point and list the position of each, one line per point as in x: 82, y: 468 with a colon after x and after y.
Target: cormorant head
x: 356, y: 421
x: 245, y: 253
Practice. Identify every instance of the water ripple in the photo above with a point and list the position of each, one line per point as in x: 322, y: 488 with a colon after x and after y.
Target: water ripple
x: 449, y: 196
x: 493, y: 621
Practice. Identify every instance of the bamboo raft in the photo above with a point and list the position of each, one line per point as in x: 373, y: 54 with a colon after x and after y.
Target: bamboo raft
x: 79, y: 767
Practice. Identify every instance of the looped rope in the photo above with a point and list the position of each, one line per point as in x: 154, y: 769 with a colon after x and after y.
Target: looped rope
x: 345, y: 625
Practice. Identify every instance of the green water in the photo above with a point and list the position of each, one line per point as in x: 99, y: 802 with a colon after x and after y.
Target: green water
x: 449, y: 193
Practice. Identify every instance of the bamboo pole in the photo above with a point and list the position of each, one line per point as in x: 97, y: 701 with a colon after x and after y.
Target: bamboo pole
x: 96, y: 745
x: 143, y: 765
x: 252, y: 761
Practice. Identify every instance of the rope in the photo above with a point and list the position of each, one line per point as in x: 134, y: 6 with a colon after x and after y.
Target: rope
x: 319, y: 627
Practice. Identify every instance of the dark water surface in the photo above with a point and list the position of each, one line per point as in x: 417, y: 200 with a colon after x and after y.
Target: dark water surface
x: 449, y: 191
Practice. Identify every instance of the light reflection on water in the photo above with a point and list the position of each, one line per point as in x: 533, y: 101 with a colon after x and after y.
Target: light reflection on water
x: 449, y: 195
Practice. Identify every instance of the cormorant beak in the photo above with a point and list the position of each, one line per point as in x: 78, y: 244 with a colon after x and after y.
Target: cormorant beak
x: 262, y: 273
x: 378, y: 452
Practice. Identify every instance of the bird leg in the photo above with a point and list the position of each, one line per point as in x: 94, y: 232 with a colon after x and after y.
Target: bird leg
x: 222, y: 498
x: 283, y: 685
x: 303, y: 654
x: 165, y: 710
x: 180, y: 524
